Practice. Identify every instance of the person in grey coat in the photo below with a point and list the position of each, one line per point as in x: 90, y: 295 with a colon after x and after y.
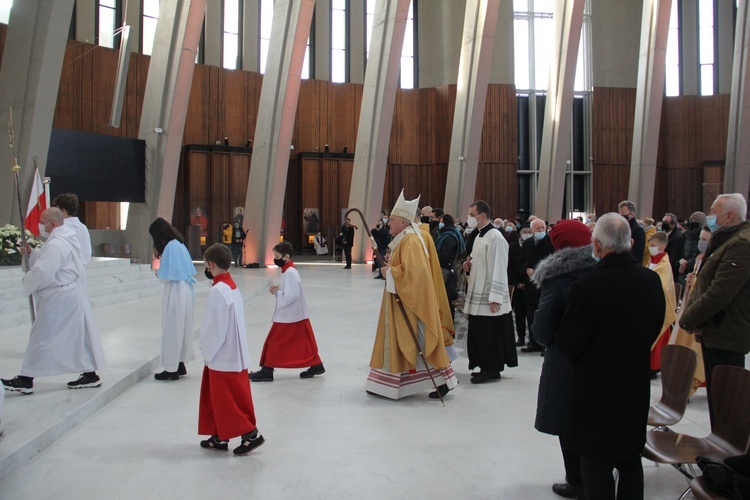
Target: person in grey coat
x: 555, y: 276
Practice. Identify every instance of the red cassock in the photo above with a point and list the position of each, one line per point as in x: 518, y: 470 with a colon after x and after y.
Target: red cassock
x: 226, y: 404
x: 290, y: 345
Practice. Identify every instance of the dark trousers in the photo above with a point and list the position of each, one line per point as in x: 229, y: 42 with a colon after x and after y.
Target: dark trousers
x: 713, y: 358
x: 237, y: 254
x: 531, y: 308
x: 599, y: 483
x: 572, y: 461
x: 348, y: 255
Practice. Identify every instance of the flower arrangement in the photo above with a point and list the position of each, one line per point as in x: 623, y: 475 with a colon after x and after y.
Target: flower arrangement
x: 10, y: 243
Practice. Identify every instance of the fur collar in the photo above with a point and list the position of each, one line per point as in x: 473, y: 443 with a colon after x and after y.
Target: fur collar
x: 567, y: 260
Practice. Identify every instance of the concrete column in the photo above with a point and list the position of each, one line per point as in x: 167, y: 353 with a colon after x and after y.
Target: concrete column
x: 689, y: 44
x: 502, y: 69
x: 376, y: 115
x: 213, y: 37
x: 29, y: 80
x: 478, y: 42
x: 251, y: 35
x: 86, y: 21
x: 724, y: 24
x: 165, y: 102
x: 555, y: 148
x: 357, y: 41
x: 274, y: 127
x: 648, y: 100
x: 132, y: 16
x: 322, y: 68
x: 737, y: 168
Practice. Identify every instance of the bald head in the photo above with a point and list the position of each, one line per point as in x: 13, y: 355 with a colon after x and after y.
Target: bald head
x: 426, y: 211
x: 51, y: 218
x: 538, y: 226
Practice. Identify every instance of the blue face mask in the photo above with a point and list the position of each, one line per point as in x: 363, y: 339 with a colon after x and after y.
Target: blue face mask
x: 711, y: 223
x: 595, y: 257
x: 441, y: 225
x: 540, y: 235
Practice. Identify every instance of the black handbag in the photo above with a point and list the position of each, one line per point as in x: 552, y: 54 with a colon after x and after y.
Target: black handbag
x: 722, y: 476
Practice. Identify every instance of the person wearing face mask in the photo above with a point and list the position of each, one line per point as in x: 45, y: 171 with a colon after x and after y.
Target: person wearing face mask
x: 226, y: 407
x: 648, y: 229
x: 435, y: 217
x: 627, y: 209
x: 68, y: 205
x: 612, y: 317
x: 659, y: 263
x: 692, y: 238
x: 676, y: 244
x: 510, y: 233
x: 450, y: 247
x: 516, y: 278
x: 718, y: 311
x: 533, y: 251
x: 490, y: 342
x: 382, y: 237
x: 63, y: 338
x: 291, y: 341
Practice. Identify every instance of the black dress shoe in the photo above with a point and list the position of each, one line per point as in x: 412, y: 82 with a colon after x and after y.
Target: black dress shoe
x: 312, y: 371
x: 165, y: 375
x: 565, y: 490
x: 181, y: 370
x: 520, y: 342
x: 532, y: 348
x: 484, y: 377
x: 442, y: 389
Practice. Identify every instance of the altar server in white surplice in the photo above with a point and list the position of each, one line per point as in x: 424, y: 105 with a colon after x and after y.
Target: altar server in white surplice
x: 63, y: 338
x: 68, y: 205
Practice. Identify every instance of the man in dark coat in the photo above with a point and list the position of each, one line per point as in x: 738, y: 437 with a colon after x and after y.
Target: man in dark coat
x: 533, y: 251
x: 347, y: 240
x: 675, y: 243
x: 555, y: 276
x: 613, y: 316
x: 627, y: 209
x: 516, y: 279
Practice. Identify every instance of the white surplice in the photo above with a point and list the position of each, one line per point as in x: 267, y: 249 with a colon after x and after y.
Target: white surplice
x: 84, y: 238
x: 223, y: 336
x: 63, y: 338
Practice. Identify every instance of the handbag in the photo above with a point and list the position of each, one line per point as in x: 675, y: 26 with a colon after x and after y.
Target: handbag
x: 721, y: 476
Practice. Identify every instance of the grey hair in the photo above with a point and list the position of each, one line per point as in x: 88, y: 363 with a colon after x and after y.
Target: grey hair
x: 612, y: 232
x: 734, y: 202
x: 629, y: 204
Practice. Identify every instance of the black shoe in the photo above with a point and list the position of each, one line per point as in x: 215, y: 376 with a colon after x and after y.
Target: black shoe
x: 250, y: 441
x: 520, y: 342
x: 213, y: 443
x: 653, y: 374
x: 24, y: 385
x: 312, y: 371
x: 181, y: 370
x: 85, y: 381
x: 532, y: 348
x: 265, y: 374
x: 165, y: 375
x: 484, y: 377
x: 565, y: 490
x: 442, y: 389
x: 347, y: 267
x: 542, y: 352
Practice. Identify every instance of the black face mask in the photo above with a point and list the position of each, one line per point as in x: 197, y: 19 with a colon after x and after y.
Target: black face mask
x: 666, y: 226
x: 279, y: 262
x: 208, y: 274
x: 694, y: 225
x: 425, y: 219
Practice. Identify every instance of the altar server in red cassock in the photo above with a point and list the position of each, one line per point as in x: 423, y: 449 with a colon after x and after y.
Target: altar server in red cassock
x: 291, y: 341
x: 226, y: 403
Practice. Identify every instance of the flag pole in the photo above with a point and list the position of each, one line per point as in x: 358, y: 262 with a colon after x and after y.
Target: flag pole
x: 16, y: 172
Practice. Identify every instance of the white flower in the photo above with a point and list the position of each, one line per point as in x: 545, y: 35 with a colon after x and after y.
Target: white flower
x: 10, y: 251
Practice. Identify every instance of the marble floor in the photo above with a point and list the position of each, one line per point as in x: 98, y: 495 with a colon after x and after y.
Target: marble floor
x: 325, y: 437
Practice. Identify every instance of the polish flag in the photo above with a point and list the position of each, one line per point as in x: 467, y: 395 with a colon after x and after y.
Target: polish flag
x: 37, y: 204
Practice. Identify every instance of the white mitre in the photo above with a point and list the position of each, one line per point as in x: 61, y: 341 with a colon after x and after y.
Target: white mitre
x: 405, y: 208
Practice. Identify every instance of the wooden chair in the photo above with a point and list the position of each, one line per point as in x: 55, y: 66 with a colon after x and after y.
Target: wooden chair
x: 731, y: 431
x: 677, y: 369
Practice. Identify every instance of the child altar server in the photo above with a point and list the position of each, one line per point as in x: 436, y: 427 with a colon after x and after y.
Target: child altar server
x: 226, y: 403
x: 291, y: 341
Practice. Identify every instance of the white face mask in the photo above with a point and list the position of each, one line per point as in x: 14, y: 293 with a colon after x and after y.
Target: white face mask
x: 654, y: 251
x: 43, y: 231
x: 525, y: 236
x: 471, y: 222
x: 539, y: 235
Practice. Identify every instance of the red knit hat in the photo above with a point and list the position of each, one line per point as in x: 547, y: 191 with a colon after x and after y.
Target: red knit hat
x: 570, y: 233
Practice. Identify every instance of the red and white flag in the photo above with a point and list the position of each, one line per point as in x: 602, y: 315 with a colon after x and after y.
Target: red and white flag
x: 37, y: 204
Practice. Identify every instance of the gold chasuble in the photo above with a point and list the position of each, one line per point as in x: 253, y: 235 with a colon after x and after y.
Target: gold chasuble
x: 396, y: 368
x: 664, y: 270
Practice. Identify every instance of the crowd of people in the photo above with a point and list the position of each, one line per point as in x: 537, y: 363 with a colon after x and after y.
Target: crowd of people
x: 595, y: 296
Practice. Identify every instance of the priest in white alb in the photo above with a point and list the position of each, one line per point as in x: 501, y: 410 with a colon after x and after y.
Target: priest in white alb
x: 63, y: 338
x: 396, y: 368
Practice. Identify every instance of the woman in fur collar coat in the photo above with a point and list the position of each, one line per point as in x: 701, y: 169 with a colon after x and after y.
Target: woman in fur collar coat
x: 555, y: 276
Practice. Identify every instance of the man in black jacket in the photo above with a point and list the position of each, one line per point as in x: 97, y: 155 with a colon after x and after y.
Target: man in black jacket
x: 347, y: 240
x: 613, y: 316
x: 627, y: 210
x: 533, y: 251
x: 675, y: 243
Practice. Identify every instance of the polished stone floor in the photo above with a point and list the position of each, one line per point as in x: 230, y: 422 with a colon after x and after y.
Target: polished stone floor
x: 325, y: 437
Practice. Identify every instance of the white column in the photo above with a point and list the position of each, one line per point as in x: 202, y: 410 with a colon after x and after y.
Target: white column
x: 165, y: 102
x: 480, y: 20
x: 29, y: 80
x: 376, y: 115
x: 648, y: 100
x: 737, y: 168
x: 274, y: 128
x: 555, y: 148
